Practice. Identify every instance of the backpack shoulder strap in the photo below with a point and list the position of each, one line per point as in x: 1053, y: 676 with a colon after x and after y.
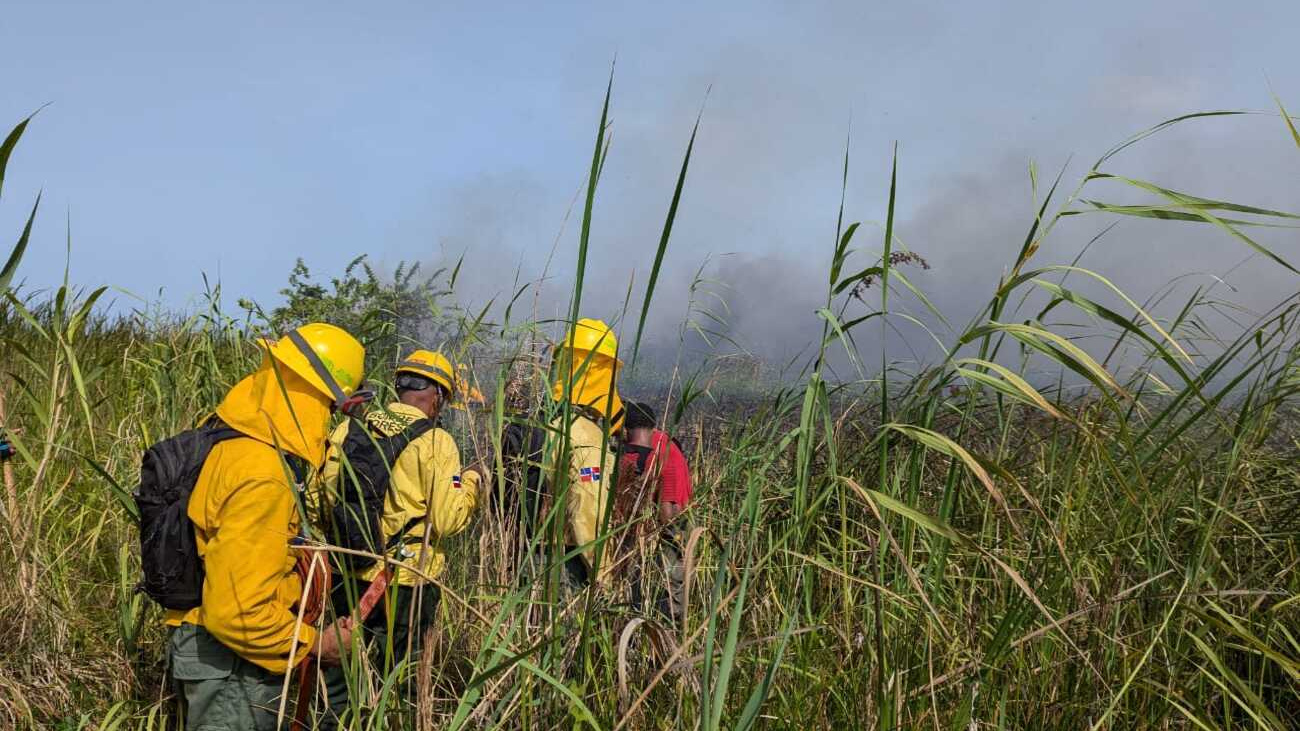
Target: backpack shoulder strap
x: 415, y: 430
x: 396, y: 445
x: 218, y: 431
x: 393, y: 445
x: 642, y: 455
x: 397, y: 441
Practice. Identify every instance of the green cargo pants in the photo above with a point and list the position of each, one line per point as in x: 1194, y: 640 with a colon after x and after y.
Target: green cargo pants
x: 223, y: 691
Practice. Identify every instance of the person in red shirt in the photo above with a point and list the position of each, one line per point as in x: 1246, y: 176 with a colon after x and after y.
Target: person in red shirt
x: 650, y: 453
x: 649, y: 450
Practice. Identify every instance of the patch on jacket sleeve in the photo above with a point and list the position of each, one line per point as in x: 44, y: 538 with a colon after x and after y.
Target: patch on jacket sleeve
x: 455, y: 481
x: 589, y: 474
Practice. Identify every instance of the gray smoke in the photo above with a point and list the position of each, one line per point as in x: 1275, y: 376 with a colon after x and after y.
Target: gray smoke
x: 758, y: 215
x: 761, y: 292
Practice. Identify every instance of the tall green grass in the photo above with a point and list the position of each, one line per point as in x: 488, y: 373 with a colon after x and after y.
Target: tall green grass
x: 960, y: 547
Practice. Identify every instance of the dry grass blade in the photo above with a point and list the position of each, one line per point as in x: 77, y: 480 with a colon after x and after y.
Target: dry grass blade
x: 624, y: 642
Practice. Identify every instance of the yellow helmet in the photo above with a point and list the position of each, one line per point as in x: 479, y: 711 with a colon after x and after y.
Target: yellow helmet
x: 431, y: 365
x: 592, y: 336
x: 324, y: 355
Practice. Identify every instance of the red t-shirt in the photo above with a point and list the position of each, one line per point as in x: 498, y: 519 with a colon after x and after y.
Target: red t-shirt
x: 675, y: 475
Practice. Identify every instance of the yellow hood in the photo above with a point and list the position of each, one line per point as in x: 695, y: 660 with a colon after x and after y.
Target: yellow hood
x: 294, y: 417
x: 593, y: 385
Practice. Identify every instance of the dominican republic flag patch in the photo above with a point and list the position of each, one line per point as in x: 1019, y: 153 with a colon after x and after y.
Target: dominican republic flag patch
x: 455, y: 481
x: 589, y: 474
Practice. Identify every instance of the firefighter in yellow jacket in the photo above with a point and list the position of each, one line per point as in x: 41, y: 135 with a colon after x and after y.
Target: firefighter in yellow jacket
x: 429, y: 498
x: 579, y: 470
x: 229, y: 655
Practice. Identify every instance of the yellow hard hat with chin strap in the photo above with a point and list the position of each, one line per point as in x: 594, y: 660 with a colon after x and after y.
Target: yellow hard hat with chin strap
x: 431, y: 365
x: 323, y: 355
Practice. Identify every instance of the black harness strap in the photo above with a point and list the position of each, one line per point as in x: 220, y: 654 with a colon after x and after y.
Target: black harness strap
x: 413, y: 431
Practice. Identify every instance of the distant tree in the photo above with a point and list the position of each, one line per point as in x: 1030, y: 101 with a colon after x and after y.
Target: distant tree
x: 388, y: 314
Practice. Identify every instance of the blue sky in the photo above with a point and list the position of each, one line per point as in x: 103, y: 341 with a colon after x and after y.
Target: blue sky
x: 231, y: 138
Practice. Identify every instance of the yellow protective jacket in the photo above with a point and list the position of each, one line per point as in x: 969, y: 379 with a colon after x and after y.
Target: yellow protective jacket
x: 245, y: 514
x: 426, y: 483
x: 590, y: 471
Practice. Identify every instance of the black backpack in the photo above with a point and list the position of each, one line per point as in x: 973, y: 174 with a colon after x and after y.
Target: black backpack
x: 169, y: 554
x: 523, y: 444
x: 364, y: 475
